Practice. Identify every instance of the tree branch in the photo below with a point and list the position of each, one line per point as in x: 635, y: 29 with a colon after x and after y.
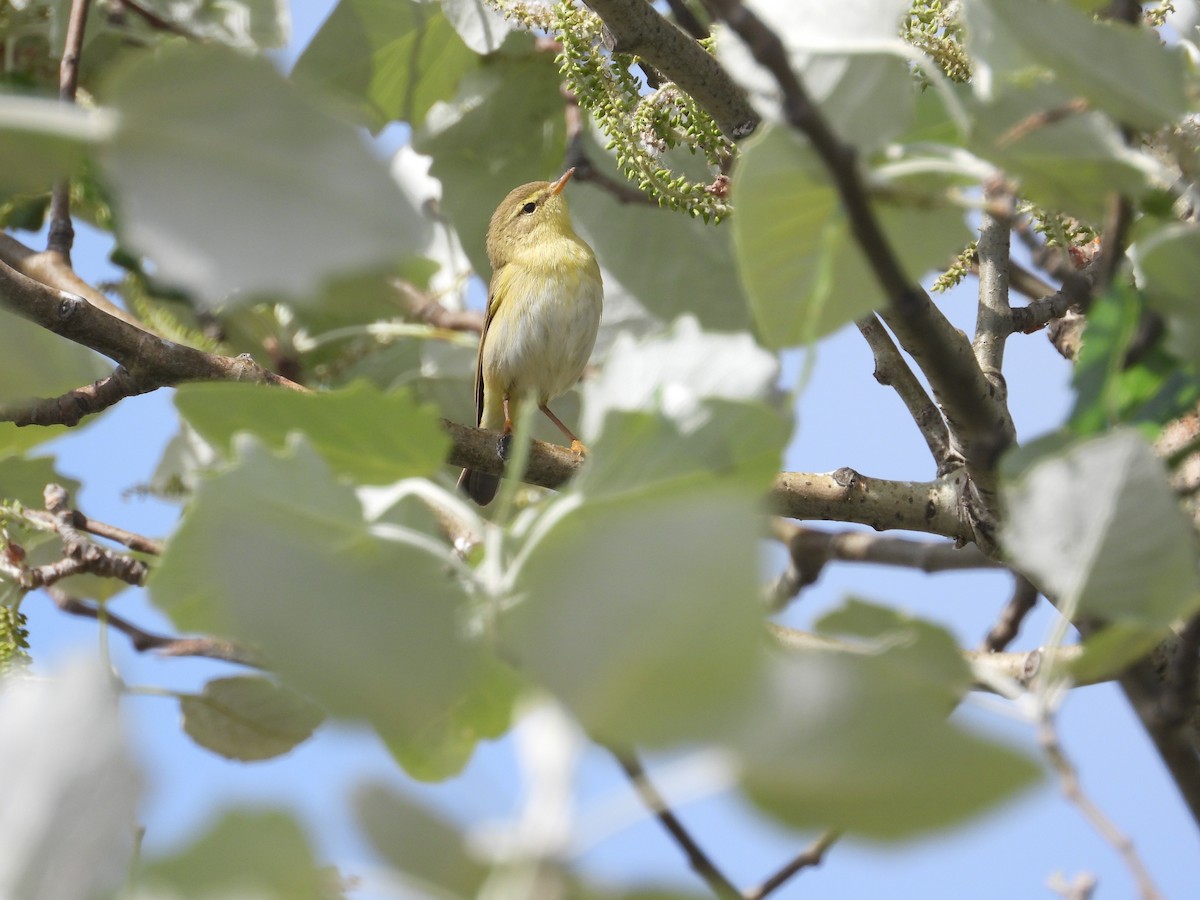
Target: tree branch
x: 993, y: 323
x: 976, y: 413
x: 637, y: 28
x: 1004, y: 632
x: 150, y: 361
x: 892, y: 370
x: 810, y: 550
x: 53, y: 270
x: 143, y: 641
x: 697, y: 858
x: 62, y: 233
x: 812, y: 855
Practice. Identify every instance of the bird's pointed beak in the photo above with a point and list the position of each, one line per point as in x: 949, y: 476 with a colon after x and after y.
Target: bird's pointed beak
x: 557, y: 187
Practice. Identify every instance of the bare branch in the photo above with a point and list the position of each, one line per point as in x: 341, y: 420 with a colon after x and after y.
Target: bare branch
x: 812, y: 855
x: 846, y: 496
x: 976, y: 413
x: 810, y: 550
x: 637, y: 28
x: 424, y: 308
x: 62, y: 233
x: 53, y: 270
x: 892, y: 370
x: 993, y: 323
x: 1072, y: 789
x: 70, y: 408
x: 150, y: 361
x: 142, y: 640
x: 697, y: 858
x: 1004, y: 632
x: 1143, y: 686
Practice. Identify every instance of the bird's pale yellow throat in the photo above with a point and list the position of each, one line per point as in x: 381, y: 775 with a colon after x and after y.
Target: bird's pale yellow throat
x: 543, y: 312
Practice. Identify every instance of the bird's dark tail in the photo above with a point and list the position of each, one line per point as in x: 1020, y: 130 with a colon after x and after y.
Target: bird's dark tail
x: 479, y: 486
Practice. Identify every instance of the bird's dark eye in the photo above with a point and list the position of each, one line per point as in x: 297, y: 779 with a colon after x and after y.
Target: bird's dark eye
x: 529, y: 207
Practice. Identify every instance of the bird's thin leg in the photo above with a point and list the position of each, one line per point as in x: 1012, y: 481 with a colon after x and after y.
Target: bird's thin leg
x: 576, y: 444
x: 505, y: 441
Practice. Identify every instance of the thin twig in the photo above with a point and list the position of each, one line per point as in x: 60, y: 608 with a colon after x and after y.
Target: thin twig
x: 1068, y: 779
x: 142, y: 640
x: 812, y: 855
x: 62, y: 233
x: 1004, y: 632
x: 697, y: 858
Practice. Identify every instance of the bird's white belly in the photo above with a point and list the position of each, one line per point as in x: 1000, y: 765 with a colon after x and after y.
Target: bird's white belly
x: 542, y: 350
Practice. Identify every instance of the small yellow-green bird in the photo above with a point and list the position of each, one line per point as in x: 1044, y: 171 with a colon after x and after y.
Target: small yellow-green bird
x: 544, y: 304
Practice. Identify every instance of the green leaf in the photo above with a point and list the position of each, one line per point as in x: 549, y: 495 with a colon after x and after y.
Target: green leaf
x: 686, y: 406
x: 260, y: 854
x: 373, y: 437
x: 1152, y: 390
x: 503, y: 127
x: 36, y: 363
x: 481, y: 27
x: 42, y: 140
x: 443, y: 747
x: 364, y: 619
x: 641, y: 612
x: 1071, y: 163
x: 802, y: 270
x: 391, y: 59
x: 248, y: 718
x: 1098, y: 526
x: 1124, y: 70
x: 861, y: 739
x: 277, y: 202
x: 418, y: 843
x: 245, y: 24
x: 1167, y: 263
x: 25, y: 479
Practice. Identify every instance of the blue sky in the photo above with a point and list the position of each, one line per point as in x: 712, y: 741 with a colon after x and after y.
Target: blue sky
x: 844, y: 419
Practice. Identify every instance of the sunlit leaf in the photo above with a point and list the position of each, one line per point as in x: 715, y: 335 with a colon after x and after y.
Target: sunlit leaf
x: 802, y: 269
x: 391, y: 59
x: 1098, y: 526
x: 1121, y: 68
x: 280, y: 195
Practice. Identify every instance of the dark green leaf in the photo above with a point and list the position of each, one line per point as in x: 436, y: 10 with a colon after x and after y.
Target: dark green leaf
x: 248, y: 717
x: 1111, y: 388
